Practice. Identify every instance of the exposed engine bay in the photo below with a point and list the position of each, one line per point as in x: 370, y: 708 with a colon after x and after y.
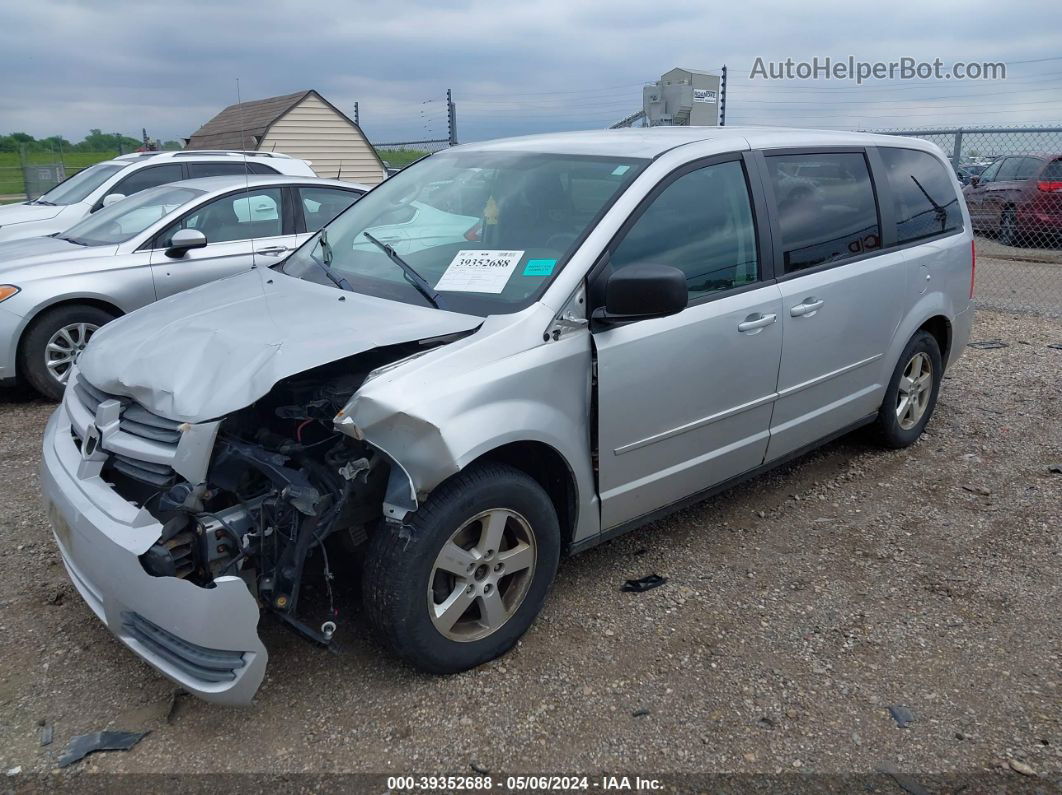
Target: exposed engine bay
x: 282, y: 481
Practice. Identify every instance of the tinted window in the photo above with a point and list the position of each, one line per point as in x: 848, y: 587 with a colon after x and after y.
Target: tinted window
x: 238, y: 216
x: 1053, y: 172
x: 148, y: 178
x: 826, y: 207
x: 989, y: 173
x: 1028, y: 167
x: 925, y: 199
x: 226, y: 169
x: 701, y: 224
x: 321, y: 205
x: 1009, y: 169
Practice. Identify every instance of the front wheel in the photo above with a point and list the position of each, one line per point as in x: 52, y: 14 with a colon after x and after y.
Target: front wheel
x: 53, y: 343
x: 912, y: 393
x: 466, y: 576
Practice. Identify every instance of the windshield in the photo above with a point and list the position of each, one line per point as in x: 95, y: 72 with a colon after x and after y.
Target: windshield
x: 129, y: 217
x: 487, y: 231
x: 77, y: 187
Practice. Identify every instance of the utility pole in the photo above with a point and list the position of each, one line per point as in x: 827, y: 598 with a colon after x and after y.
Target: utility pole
x: 357, y: 119
x: 451, y: 118
x: 722, y: 100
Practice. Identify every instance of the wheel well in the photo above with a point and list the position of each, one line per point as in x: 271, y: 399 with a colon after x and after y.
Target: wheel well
x: 550, y: 470
x: 109, y: 308
x: 940, y: 328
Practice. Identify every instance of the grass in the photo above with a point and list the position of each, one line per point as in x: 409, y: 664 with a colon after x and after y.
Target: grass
x: 400, y: 158
x: 11, y: 182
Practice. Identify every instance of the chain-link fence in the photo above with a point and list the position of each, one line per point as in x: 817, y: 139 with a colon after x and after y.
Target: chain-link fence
x: 1012, y: 183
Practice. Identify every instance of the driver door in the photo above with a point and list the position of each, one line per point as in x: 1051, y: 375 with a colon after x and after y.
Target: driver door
x: 245, y: 228
x: 684, y: 402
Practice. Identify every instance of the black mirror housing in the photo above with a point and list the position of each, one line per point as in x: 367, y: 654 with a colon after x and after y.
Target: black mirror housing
x: 645, y: 290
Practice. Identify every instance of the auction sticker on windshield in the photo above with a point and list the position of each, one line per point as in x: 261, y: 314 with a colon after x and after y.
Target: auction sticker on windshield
x: 479, y: 271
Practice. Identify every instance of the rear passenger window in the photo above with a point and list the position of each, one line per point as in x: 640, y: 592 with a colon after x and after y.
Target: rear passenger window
x: 926, y: 202
x: 148, y: 178
x: 826, y: 207
x: 1028, y: 168
x: 1009, y: 169
x: 701, y: 224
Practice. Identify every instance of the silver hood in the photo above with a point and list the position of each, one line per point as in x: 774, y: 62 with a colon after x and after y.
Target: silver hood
x: 32, y: 252
x: 19, y: 213
x: 215, y: 349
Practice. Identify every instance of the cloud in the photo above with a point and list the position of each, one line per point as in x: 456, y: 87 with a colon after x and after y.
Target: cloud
x: 514, y: 66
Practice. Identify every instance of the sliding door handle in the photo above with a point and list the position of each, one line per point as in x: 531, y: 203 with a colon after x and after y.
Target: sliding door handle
x: 808, y: 307
x: 754, y: 323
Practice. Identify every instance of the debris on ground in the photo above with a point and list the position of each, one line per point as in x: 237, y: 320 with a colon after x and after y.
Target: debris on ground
x: 639, y: 713
x: 84, y: 744
x: 46, y: 732
x: 1021, y: 767
x: 903, y: 716
x: 479, y: 769
x: 1055, y: 468
x: 977, y: 490
x: 14, y: 771
x: 987, y: 345
x: 643, y: 584
x: 903, y: 781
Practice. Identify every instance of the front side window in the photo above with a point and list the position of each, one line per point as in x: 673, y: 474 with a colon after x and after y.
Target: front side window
x: 487, y: 230
x: 1008, y: 170
x: 150, y: 177
x: 701, y: 224
x: 321, y: 205
x: 989, y: 174
x: 78, y: 187
x: 125, y: 219
x: 238, y: 216
x: 826, y: 207
x: 925, y: 199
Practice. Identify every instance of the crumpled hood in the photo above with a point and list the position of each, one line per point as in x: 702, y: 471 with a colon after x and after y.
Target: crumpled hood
x: 33, y: 251
x: 20, y: 213
x: 215, y: 349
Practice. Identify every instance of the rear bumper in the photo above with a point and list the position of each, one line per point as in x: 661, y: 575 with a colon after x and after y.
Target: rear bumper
x: 204, y: 639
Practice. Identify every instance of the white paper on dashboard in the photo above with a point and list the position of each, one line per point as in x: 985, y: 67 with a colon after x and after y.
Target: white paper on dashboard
x: 479, y: 271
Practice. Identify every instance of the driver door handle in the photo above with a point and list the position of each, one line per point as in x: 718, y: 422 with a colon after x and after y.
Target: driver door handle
x: 753, y: 323
x: 809, y: 306
x: 272, y: 251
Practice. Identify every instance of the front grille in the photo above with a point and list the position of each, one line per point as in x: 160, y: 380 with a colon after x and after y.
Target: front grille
x: 207, y: 665
x: 144, y: 457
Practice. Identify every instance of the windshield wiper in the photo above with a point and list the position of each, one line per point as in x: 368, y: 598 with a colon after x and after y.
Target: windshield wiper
x: 412, y: 276
x: 43, y: 201
x: 73, y: 240
x: 326, y: 264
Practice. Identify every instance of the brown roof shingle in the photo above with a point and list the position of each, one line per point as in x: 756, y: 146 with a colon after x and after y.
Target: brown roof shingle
x: 242, y: 126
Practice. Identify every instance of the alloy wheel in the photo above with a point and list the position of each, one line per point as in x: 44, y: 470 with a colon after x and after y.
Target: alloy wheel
x: 916, y: 387
x: 65, y: 346
x: 481, y: 575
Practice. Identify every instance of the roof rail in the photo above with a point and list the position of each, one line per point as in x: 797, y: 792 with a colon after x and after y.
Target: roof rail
x: 228, y: 153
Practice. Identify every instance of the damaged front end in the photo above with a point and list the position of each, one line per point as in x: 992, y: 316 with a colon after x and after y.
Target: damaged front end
x: 178, y: 533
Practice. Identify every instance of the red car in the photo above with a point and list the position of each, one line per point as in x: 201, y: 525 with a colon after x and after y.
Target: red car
x: 1018, y: 198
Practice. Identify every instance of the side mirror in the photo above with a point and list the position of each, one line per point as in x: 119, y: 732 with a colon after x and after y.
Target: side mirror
x: 111, y: 198
x: 183, y: 240
x: 975, y: 181
x: 644, y: 290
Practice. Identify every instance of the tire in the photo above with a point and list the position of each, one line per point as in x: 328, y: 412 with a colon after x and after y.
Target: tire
x: 1008, y: 228
x: 80, y: 321
x: 898, y: 424
x: 404, y: 588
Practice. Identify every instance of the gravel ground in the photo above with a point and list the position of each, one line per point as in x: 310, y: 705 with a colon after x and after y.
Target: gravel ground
x: 799, y: 608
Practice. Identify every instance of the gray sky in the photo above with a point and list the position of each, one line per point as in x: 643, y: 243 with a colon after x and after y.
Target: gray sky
x: 514, y: 67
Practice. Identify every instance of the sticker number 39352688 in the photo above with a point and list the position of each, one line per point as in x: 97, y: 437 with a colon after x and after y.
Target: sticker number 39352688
x: 479, y: 271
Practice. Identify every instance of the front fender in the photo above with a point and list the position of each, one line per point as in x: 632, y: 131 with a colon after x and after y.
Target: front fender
x: 436, y: 419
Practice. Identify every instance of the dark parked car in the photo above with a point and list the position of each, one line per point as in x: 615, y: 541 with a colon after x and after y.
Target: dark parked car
x: 1018, y: 198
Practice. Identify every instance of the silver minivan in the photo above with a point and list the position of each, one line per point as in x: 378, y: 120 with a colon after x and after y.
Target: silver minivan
x: 584, y: 332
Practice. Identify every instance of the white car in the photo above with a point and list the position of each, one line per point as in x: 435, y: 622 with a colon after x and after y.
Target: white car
x: 104, y: 183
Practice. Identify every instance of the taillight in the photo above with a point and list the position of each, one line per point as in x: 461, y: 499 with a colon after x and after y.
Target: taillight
x: 474, y: 232
x: 1049, y: 185
x: 973, y: 267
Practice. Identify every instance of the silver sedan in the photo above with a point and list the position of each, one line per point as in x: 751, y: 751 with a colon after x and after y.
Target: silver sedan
x: 56, y: 291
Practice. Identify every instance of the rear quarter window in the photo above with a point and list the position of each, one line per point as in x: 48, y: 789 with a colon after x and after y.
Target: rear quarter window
x: 925, y: 201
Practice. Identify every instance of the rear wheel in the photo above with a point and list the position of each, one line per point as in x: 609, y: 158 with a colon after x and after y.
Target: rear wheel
x: 53, y: 343
x: 1008, y: 228
x: 912, y: 393
x: 468, y: 574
